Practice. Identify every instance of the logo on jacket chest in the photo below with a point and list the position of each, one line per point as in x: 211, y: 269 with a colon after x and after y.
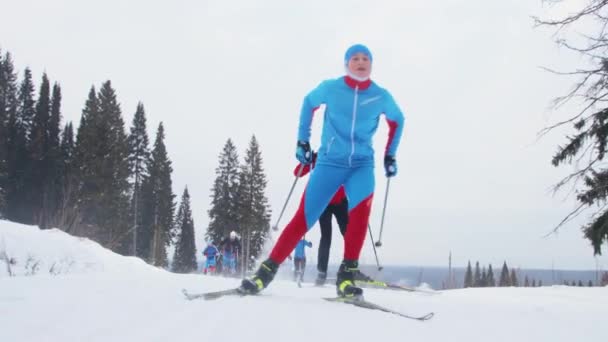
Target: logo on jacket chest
x: 369, y: 100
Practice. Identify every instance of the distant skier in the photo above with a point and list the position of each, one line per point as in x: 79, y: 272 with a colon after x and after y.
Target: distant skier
x: 211, y: 254
x: 299, y: 259
x: 353, y: 106
x: 230, y: 248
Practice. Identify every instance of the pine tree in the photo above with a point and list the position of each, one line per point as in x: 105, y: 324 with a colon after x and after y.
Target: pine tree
x: 505, y: 278
x: 52, y: 191
x: 184, y: 260
x: 67, y: 215
x: 514, y: 280
x: 159, y: 203
x: 8, y: 109
x: 36, y: 177
x: 253, y: 211
x: 19, y: 128
x: 526, y: 281
x: 477, y: 275
x: 84, y: 159
x: 139, y: 153
x: 468, y: 276
x: 116, y: 175
x: 484, y: 278
x: 491, y: 282
x: 101, y: 154
x: 533, y: 282
x: 3, y: 133
x: 26, y: 105
x: 223, y: 213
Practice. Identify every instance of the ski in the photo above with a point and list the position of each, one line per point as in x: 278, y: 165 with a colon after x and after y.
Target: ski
x: 214, y: 294
x: 362, y: 303
x: 376, y: 284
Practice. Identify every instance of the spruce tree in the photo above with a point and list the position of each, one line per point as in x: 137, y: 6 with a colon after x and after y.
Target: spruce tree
x: 526, y: 281
x: 67, y: 216
x: 159, y: 203
x: 101, y: 154
x: 139, y: 153
x: 52, y: 198
x: 477, y: 275
x: 223, y: 216
x: 26, y: 105
x: 484, y: 278
x: 514, y: 280
x: 84, y: 161
x: 468, y: 276
x: 505, y: 278
x: 184, y: 260
x: 19, y: 128
x: 252, y: 205
x: 116, y: 174
x: 491, y: 282
x: 3, y: 133
x: 36, y: 177
x: 8, y: 108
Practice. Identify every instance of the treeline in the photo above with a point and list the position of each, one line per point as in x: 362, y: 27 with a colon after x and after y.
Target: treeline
x: 482, y: 277
x: 98, y: 181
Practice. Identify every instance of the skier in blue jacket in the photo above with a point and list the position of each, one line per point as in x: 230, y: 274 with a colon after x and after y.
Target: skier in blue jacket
x: 299, y: 259
x: 353, y: 107
x: 211, y: 253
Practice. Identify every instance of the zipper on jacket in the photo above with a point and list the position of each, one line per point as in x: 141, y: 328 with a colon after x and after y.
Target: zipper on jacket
x: 331, y: 141
x: 352, y: 129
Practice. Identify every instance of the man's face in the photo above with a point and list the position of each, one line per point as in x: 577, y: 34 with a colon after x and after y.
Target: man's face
x: 360, y: 65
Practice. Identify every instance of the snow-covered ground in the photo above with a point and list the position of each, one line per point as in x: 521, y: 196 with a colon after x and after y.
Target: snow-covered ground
x: 69, y: 289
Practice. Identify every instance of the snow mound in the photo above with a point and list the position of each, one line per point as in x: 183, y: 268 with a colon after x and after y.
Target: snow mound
x: 28, y: 251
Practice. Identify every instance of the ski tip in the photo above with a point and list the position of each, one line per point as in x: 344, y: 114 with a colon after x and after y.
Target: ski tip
x: 427, y: 316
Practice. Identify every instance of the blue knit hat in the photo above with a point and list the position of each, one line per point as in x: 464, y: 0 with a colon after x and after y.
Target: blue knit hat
x: 356, y: 49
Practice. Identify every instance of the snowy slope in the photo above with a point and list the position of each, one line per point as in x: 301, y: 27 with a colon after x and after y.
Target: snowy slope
x: 106, y: 297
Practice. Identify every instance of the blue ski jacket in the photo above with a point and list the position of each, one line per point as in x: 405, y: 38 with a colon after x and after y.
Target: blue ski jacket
x: 352, y: 113
x: 299, y: 251
x: 210, y: 251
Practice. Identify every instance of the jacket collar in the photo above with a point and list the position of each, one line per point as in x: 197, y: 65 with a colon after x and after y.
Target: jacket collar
x: 352, y: 83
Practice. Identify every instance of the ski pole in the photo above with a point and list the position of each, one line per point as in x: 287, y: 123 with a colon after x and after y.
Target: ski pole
x: 379, y: 242
x: 369, y: 228
x: 276, y: 226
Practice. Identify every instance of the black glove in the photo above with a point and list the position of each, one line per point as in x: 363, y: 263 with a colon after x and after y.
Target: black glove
x: 303, y: 153
x: 390, y: 166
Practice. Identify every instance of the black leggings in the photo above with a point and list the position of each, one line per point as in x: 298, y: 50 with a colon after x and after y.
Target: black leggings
x: 340, y: 211
x: 300, y: 265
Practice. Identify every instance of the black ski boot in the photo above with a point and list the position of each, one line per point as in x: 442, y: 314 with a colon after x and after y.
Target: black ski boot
x: 345, y: 284
x: 362, y: 277
x: 261, y: 278
x: 321, y: 278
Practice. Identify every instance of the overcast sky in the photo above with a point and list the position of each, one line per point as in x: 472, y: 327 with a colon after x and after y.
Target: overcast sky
x: 473, y: 177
